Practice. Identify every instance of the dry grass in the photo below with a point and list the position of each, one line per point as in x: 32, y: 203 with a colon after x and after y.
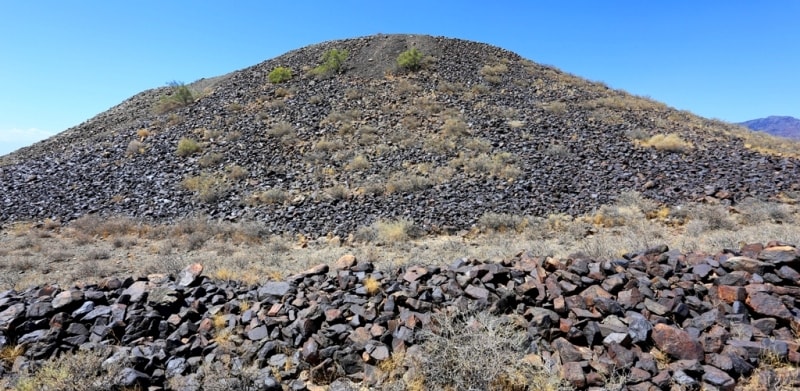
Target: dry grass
x: 392, y: 231
x: 281, y: 130
x: 187, y: 146
x: 468, y: 351
x: 669, y: 142
x: 135, y: 147
x: 765, y: 143
x: 137, y: 248
x: 455, y: 127
x: 81, y: 371
x: 208, y: 188
x: 358, y: 163
x: 271, y: 196
x: 500, y: 164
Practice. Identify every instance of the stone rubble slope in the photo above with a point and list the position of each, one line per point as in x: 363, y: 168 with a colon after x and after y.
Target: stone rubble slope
x: 570, y: 160
x: 712, y: 317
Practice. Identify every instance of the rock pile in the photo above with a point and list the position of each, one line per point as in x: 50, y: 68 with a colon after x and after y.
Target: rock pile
x: 659, y: 317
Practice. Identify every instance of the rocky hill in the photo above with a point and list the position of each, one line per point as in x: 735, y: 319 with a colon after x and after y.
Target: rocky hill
x: 782, y: 126
x: 477, y: 129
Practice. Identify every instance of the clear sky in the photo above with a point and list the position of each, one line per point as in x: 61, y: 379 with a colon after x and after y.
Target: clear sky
x: 62, y: 62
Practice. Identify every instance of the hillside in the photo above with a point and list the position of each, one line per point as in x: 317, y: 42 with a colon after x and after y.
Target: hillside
x: 781, y: 126
x: 478, y: 129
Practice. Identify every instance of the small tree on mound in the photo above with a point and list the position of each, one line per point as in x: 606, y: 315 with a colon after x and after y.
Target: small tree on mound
x: 179, y: 96
x: 410, y: 59
x: 332, y: 62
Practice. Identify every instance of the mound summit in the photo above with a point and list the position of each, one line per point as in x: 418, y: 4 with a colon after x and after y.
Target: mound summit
x: 478, y: 129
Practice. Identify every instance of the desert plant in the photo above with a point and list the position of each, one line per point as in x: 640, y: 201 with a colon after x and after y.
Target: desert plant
x: 187, y: 146
x: 135, y: 147
x: 391, y: 231
x: 669, y: 142
x: 207, y: 188
x: 271, y: 196
x: 81, y: 371
x: 179, y: 96
x: 479, y: 351
x: 332, y: 62
x: 502, y: 221
x: 455, y: 127
x: 280, y: 130
x: 359, y: 162
x: 236, y: 172
x: 410, y: 59
x: 210, y: 159
x: 279, y: 75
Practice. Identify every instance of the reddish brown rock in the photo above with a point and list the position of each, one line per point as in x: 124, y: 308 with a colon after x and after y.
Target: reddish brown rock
x: 573, y: 373
x: 729, y: 294
x: 676, y: 342
x: 345, y: 262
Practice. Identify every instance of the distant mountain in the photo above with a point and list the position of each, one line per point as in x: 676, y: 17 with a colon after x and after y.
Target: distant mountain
x: 782, y: 126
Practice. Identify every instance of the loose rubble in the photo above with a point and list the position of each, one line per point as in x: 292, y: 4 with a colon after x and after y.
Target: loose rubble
x: 659, y: 317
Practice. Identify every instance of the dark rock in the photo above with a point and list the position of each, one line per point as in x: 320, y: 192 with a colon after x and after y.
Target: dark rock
x: 573, y: 373
x: 766, y: 304
x: 718, y: 378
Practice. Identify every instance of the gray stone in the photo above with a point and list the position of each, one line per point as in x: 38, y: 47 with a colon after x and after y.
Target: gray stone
x: 273, y: 288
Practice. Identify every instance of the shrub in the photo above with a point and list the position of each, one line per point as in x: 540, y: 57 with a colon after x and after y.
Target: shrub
x: 271, y: 196
x: 210, y: 159
x: 393, y: 230
x: 179, y: 96
x: 463, y: 351
x: 670, y: 143
x: 455, y: 127
x: 81, y: 371
x: 187, y: 146
x: 236, y: 172
x: 135, y: 147
x: 280, y: 75
x: 359, y: 162
x: 207, y: 188
x: 332, y: 62
x: 502, y: 222
x: 281, y: 129
x: 410, y: 59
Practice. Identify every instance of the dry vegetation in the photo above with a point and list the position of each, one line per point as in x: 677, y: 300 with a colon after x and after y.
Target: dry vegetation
x: 92, y: 248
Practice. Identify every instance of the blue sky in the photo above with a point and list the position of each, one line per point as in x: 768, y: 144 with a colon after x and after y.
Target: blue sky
x: 62, y: 62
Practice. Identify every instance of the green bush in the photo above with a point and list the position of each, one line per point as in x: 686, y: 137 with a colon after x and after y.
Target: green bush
x: 332, y: 62
x: 181, y: 93
x: 410, y: 59
x: 179, y: 96
x: 187, y: 146
x: 280, y: 75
